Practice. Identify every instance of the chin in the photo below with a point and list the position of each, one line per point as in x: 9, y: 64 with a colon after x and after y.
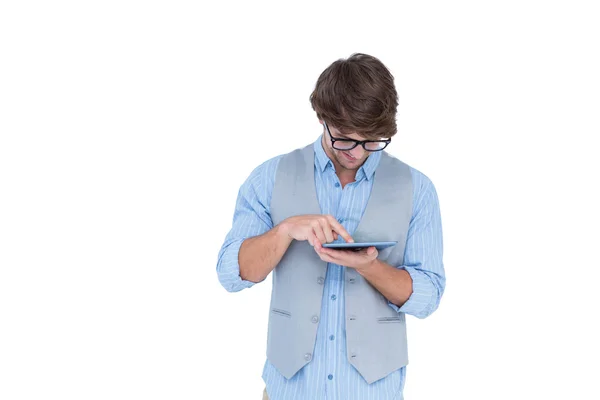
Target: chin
x: 350, y: 165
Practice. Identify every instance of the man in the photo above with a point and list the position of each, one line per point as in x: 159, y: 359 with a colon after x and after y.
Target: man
x: 337, y: 317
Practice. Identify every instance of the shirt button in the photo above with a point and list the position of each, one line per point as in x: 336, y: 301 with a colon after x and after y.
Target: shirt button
x: 330, y: 377
x: 333, y: 297
x: 315, y: 319
x: 351, y: 280
x: 320, y: 280
x: 331, y: 337
x: 337, y: 184
x: 307, y: 356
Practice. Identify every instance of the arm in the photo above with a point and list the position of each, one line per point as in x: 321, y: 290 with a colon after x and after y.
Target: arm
x: 417, y: 286
x: 254, y: 247
x: 393, y: 283
x: 260, y: 254
x: 251, y: 230
x: 423, y: 253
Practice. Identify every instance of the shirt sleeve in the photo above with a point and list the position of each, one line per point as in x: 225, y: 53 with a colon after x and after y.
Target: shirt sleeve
x: 251, y: 217
x: 423, y: 252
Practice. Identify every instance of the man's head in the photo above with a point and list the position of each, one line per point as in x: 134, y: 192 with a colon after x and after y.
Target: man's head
x: 355, y: 98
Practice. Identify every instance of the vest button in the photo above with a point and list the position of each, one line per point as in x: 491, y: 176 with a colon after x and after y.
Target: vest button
x: 307, y: 356
x: 320, y: 280
x: 315, y: 319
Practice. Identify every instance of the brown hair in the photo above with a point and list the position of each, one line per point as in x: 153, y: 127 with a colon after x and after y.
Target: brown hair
x: 357, y: 95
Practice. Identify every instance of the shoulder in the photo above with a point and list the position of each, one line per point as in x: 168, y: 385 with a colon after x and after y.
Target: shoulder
x: 265, y: 170
x: 421, y: 182
x: 268, y: 169
x: 256, y: 190
x: 425, y: 198
x: 422, y: 186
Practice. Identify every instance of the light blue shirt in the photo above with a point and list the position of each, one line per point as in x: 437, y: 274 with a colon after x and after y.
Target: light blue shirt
x: 329, y: 375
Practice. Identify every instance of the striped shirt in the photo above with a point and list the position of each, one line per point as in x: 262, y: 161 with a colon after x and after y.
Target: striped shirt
x: 329, y: 375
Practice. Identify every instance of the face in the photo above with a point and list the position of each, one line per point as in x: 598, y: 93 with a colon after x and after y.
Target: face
x: 350, y: 160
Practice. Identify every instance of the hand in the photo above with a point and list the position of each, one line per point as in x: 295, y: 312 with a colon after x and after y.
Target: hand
x: 359, y: 260
x: 317, y: 229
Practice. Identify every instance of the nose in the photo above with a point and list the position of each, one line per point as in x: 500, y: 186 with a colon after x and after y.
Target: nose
x: 357, y: 152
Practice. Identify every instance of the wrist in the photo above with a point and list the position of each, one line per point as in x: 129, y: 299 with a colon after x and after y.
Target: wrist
x: 365, y: 268
x: 282, y: 231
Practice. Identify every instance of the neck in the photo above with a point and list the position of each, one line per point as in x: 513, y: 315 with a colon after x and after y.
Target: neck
x: 346, y: 176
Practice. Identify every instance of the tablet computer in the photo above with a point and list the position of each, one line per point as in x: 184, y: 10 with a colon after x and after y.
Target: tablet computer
x: 359, y: 246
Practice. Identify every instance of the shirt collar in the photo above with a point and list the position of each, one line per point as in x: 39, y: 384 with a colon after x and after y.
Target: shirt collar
x: 321, y: 158
x: 322, y: 161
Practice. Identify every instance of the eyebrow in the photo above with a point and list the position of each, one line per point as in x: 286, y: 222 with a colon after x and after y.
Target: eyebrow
x: 344, y: 136
x: 340, y: 135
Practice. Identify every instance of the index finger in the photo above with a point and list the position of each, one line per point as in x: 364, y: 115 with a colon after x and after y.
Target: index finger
x: 337, y: 227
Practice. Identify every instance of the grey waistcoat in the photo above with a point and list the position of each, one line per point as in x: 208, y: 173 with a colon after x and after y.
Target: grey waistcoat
x: 375, y: 333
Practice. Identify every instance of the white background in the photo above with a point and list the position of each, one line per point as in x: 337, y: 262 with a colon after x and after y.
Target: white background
x: 128, y: 127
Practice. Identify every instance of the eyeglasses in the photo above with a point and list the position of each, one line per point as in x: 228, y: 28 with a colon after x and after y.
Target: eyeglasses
x: 349, y: 144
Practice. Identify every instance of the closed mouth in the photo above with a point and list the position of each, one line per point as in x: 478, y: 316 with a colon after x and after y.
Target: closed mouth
x: 348, y: 156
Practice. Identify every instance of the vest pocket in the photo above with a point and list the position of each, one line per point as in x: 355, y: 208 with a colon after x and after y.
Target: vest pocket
x: 386, y: 320
x: 283, y: 313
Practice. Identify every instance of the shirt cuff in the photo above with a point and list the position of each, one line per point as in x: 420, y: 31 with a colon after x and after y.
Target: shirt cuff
x: 229, y: 270
x: 422, y: 297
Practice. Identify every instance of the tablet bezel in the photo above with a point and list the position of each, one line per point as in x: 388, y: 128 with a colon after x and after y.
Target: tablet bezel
x: 359, y: 246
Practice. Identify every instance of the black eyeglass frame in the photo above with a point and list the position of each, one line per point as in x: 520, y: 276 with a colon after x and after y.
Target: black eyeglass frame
x: 356, y: 142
